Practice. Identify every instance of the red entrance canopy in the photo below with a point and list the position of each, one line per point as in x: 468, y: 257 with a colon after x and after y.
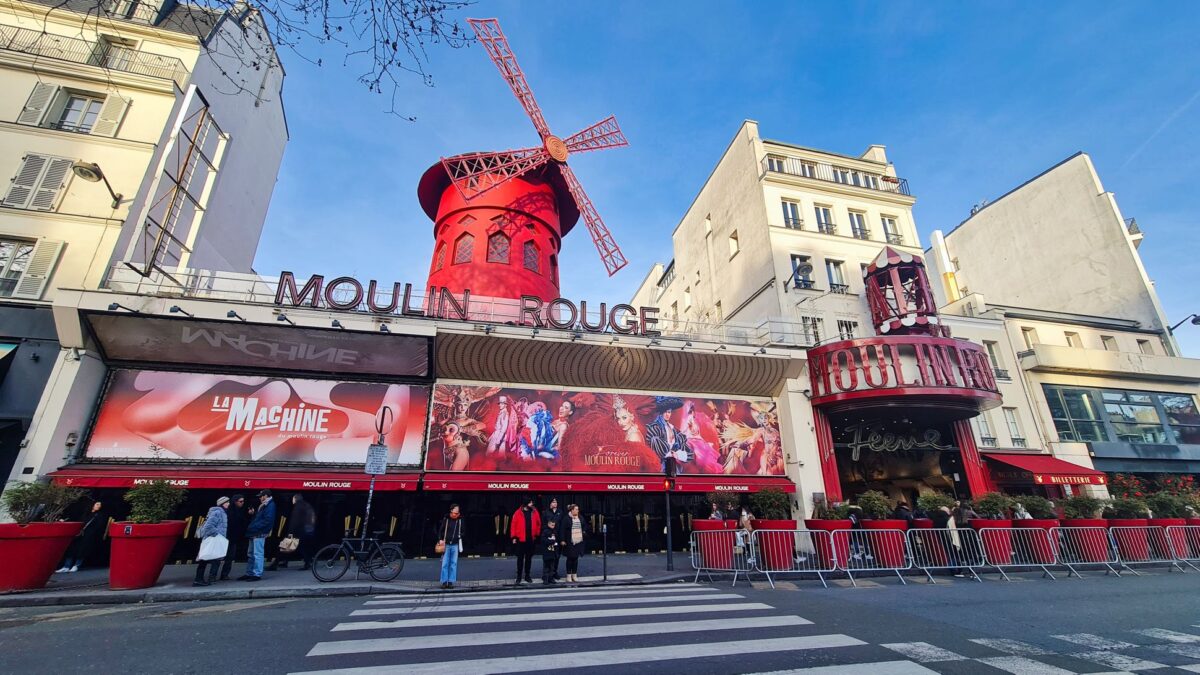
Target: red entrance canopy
x: 733, y: 483
x: 198, y: 478
x: 519, y: 482
x: 1047, y: 470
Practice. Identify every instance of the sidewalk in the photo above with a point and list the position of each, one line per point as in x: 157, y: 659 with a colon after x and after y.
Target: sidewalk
x: 90, y: 586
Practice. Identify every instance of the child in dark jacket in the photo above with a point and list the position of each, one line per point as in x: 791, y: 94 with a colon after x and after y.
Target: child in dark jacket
x: 548, y: 546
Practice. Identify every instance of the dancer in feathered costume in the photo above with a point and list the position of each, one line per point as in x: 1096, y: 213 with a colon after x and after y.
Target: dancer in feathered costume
x: 607, y: 433
x: 506, y: 431
x: 702, y: 439
x: 538, y: 433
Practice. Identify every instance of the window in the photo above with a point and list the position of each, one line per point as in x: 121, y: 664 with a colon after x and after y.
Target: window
x: 812, y: 328
x: 687, y: 298
x: 837, y: 277
x: 891, y: 231
x: 464, y: 248
x: 14, y: 259
x: 791, y: 215
x: 858, y: 225
x: 79, y: 113
x: 38, y: 182
x: 1181, y: 414
x: 734, y: 246
x: 801, y: 271
x: 775, y: 163
x: 52, y: 106
x: 993, y: 355
x: 1029, y: 336
x: 498, y: 248
x: 1134, y: 417
x: 25, y: 267
x: 1073, y: 340
x: 825, y: 219
x: 439, y: 260
x: 1145, y: 347
x: 808, y: 169
x: 846, y: 329
x: 987, y: 437
x: 554, y: 269
x: 1014, y: 427
x: 532, y: 257
x: 1109, y: 342
x: 1075, y: 413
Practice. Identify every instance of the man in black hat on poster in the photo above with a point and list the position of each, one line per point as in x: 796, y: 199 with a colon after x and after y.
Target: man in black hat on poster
x: 663, y: 437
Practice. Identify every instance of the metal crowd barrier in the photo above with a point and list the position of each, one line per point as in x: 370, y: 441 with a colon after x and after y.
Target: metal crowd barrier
x: 722, y: 551
x: 1009, y: 548
x: 1185, y: 544
x: 1081, y: 546
x: 1142, y: 545
x: 954, y: 550
x: 873, y: 551
x: 794, y: 551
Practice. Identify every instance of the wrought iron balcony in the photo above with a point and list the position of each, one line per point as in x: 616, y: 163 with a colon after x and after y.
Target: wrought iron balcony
x: 1002, y: 374
x: 827, y: 228
x: 834, y: 174
x: 793, y: 223
x: 803, y: 284
x: 1019, y: 442
x: 99, y: 54
x: 839, y: 288
x: 862, y: 233
x: 987, y: 441
x: 896, y: 239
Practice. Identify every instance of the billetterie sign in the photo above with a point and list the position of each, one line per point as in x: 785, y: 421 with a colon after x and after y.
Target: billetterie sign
x: 349, y: 294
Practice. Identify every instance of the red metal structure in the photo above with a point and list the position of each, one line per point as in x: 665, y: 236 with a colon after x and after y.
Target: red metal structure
x: 499, y: 217
x: 899, y: 295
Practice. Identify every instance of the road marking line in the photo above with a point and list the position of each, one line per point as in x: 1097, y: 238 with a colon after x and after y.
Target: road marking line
x: 534, y: 602
x: 572, y: 660
x: 1094, y: 641
x: 509, y: 582
x: 1015, y: 647
x: 564, y: 593
x: 889, y: 667
x: 1194, y: 668
x: 923, y: 652
x: 514, y: 636
x: 1118, y: 660
x: 1019, y: 665
x: 83, y: 613
x: 1191, y: 651
x: 549, y: 616
x: 227, y: 607
x: 1168, y: 635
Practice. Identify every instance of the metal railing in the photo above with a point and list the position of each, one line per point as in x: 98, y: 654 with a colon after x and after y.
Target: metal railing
x: 952, y: 550
x: 1019, y: 442
x: 794, y: 552
x: 1080, y: 546
x: 139, y: 12
x: 1012, y: 547
x: 897, y: 239
x: 804, y: 284
x: 1142, y: 545
x: 861, y: 232
x: 1001, y: 374
x: 1185, y: 544
x: 831, y: 174
x: 793, y: 223
x: 882, y: 550
x: 721, y: 552
x: 987, y: 441
x: 841, y: 289
x: 827, y: 228
x: 93, y: 53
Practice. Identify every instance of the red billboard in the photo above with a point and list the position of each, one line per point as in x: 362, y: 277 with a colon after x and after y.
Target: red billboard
x: 491, y: 428
x: 156, y: 415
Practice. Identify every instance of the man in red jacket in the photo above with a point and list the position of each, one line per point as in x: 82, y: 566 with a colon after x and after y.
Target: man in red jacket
x: 526, y: 527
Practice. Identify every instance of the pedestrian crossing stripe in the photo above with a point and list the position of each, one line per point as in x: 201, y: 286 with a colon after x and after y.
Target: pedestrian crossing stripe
x: 535, y: 602
x: 555, y: 593
x: 889, y: 667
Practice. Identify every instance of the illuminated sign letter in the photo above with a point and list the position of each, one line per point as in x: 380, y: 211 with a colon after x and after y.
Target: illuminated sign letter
x: 287, y: 287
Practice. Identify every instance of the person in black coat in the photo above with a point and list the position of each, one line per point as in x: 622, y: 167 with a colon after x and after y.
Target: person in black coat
x: 574, y: 535
x: 548, y: 546
x: 555, y: 514
x: 88, y: 538
x: 238, y: 519
x: 301, y: 524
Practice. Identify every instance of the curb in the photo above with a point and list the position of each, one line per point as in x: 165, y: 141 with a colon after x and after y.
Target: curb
x: 34, y: 599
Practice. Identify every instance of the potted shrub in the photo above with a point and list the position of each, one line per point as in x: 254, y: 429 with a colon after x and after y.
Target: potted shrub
x: 1086, y: 533
x: 140, y: 545
x: 889, y: 547
x: 32, y: 546
x: 1042, y: 546
x: 1129, y: 515
x: 773, y: 510
x: 716, y: 550
x: 1168, y: 510
x: 830, y: 548
x: 994, y: 526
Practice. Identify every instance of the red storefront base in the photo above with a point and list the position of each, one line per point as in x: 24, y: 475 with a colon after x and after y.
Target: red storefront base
x: 246, y: 480
x: 533, y: 483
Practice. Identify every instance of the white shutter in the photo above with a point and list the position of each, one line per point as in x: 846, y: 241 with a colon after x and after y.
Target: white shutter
x: 26, y: 180
x: 109, y: 119
x: 41, y: 265
x: 46, y: 194
x: 36, y: 106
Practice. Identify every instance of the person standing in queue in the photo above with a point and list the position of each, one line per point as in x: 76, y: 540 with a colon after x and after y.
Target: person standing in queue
x: 301, y: 524
x: 216, y: 524
x: 574, y: 534
x: 238, y: 520
x: 451, y: 532
x: 258, y: 530
x: 548, y: 544
x: 89, y: 536
x: 526, y: 527
x: 555, y: 515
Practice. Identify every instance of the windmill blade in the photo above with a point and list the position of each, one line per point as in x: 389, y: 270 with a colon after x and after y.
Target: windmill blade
x: 478, y: 172
x: 493, y: 40
x: 603, y: 134
x: 610, y: 255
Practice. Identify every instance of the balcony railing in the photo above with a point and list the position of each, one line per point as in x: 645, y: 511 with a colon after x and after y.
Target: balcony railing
x: 841, y: 289
x: 1131, y: 226
x: 862, y: 233
x: 138, y: 12
x: 828, y: 172
x: 827, y: 228
x: 897, y: 239
x: 1002, y: 374
x: 804, y: 284
x: 987, y: 441
x: 91, y: 53
x: 1019, y: 442
x: 793, y: 223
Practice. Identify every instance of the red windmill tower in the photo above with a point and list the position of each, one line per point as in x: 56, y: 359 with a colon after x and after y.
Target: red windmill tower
x: 499, y: 217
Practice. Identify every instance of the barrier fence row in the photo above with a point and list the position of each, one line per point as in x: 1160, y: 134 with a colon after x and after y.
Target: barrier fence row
x: 958, y: 551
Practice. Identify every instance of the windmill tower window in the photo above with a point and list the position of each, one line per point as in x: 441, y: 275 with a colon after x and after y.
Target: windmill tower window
x: 532, y: 257
x: 498, y: 245
x: 464, y: 248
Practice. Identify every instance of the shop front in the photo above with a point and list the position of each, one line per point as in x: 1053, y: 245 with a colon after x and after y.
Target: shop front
x: 1041, y: 475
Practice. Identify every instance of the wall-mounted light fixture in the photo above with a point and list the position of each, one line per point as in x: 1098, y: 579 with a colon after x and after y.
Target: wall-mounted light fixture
x: 176, y: 309
x: 90, y: 171
x: 233, y: 315
x: 284, y: 317
x: 337, y: 324
x: 112, y: 307
x: 383, y: 328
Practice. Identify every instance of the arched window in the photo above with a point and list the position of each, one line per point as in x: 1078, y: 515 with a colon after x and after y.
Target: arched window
x: 498, y: 248
x: 464, y: 248
x: 533, y: 257
x: 439, y: 260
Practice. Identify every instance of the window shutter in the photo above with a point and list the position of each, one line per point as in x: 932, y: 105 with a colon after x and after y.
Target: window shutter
x: 25, y: 181
x: 36, y: 106
x: 37, y: 274
x: 46, y: 194
x: 109, y: 119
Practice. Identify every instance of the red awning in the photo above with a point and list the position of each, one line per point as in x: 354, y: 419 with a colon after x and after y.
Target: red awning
x: 199, y: 478
x: 542, y: 482
x: 691, y: 483
x: 1044, y: 470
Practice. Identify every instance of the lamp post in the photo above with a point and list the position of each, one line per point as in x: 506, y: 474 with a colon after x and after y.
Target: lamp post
x: 90, y: 171
x: 1195, y: 322
x: 669, y: 472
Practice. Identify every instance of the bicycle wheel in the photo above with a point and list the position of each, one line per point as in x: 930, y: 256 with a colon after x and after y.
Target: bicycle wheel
x: 330, y: 563
x: 386, y: 562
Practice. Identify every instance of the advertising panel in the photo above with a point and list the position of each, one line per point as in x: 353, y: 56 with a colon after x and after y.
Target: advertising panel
x: 491, y: 428
x: 196, y: 416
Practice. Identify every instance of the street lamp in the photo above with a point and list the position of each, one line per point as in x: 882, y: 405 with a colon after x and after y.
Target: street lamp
x: 90, y: 171
x: 670, y: 470
x: 1195, y: 322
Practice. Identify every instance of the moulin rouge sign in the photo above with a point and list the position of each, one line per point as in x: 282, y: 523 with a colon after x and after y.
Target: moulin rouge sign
x: 348, y: 294
x: 885, y: 364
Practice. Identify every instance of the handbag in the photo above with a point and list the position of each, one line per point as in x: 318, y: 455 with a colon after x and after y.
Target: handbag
x: 213, y: 548
x: 440, y: 547
x: 289, y: 544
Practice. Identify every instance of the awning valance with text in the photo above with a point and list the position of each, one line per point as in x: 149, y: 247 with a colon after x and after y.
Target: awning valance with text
x: 1043, y: 470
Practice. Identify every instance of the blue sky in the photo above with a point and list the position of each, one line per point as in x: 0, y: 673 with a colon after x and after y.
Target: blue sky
x: 971, y: 99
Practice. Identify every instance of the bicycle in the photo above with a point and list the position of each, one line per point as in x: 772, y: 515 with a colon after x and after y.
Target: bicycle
x: 383, y: 562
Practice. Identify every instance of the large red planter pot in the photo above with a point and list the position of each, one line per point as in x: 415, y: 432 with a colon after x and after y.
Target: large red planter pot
x: 935, y: 546
x: 716, y: 550
x: 31, y: 552
x: 1042, y: 547
x: 138, y: 555
x: 997, y: 543
x: 1092, y: 544
x: 1133, y: 545
x: 1193, y: 536
x: 833, y: 549
x: 889, y: 549
x: 776, y: 549
x: 1178, y: 538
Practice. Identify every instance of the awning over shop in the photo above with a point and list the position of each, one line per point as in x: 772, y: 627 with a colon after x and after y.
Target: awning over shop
x: 199, y: 478
x: 1042, y: 470
x: 733, y: 483
x: 524, y: 482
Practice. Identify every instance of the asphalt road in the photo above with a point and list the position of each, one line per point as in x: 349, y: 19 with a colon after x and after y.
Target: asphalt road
x: 1029, y: 626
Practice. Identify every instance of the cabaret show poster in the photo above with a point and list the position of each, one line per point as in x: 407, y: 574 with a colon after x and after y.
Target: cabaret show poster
x: 175, y: 416
x: 489, y: 428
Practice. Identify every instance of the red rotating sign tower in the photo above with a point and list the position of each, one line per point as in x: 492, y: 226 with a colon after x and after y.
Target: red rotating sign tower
x: 499, y: 217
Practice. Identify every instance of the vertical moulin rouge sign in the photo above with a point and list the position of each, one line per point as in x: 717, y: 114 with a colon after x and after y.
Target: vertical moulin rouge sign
x: 197, y: 416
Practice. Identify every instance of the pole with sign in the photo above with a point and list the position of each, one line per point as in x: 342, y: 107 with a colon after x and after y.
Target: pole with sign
x: 668, y: 486
x: 376, y: 464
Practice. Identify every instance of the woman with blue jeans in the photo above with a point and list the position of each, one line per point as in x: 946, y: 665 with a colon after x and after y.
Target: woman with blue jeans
x: 450, y: 533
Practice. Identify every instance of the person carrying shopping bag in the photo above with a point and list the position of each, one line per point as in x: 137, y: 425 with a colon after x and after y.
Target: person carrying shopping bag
x: 574, y: 533
x: 450, y: 531
x: 213, y: 544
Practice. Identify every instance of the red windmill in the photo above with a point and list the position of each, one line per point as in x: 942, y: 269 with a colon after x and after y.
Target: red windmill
x: 499, y: 217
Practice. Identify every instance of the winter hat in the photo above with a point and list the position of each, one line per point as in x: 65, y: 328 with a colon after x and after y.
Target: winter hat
x: 222, y: 501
